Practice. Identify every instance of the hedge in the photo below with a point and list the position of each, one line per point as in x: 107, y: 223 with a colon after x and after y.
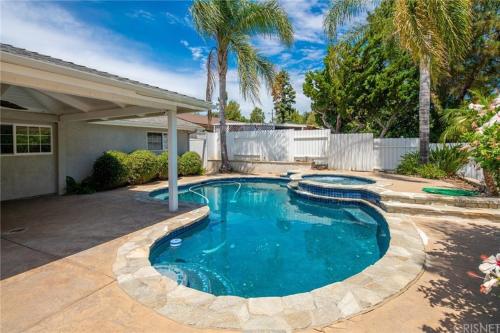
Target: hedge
x: 143, y: 166
x: 110, y: 170
x: 163, y: 165
x: 190, y: 164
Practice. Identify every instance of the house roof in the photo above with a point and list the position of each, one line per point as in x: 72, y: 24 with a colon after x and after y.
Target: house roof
x: 63, y: 91
x: 159, y: 122
x: 10, y: 49
x: 203, y: 119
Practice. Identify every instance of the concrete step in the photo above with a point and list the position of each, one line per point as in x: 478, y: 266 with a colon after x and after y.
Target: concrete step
x: 441, y: 210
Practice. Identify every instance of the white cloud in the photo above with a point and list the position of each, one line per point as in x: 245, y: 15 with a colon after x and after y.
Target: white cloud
x: 140, y: 13
x: 50, y: 29
x: 197, y: 52
x: 174, y: 19
x: 268, y: 46
x: 307, y: 19
x: 312, y: 54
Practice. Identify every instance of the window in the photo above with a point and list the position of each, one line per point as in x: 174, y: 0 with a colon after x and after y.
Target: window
x: 7, y: 139
x: 157, y: 141
x: 26, y: 139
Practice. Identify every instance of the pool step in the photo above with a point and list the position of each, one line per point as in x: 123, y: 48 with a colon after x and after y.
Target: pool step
x: 440, y: 200
x: 197, y: 277
x: 440, y: 210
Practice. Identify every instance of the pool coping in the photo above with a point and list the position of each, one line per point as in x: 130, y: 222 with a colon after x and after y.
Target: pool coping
x: 388, y: 195
x: 390, y: 275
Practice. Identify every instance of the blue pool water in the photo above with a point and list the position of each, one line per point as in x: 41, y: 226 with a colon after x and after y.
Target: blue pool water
x: 341, y: 180
x: 262, y: 240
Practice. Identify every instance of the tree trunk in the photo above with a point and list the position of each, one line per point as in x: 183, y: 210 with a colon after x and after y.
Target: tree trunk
x: 491, y: 186
x: 424, y: 104
x: 338, y: 124
x: 325, y: 122
x: 222, y: 68
x: 387, y: 126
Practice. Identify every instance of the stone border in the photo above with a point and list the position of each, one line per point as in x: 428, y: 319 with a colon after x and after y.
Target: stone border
x: 398, y: 268
x: 379, y: 188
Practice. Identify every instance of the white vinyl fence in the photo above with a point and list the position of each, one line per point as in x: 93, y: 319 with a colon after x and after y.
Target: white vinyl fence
x: 199, y: 145
x: 359, y: 151
x: 351, y: 152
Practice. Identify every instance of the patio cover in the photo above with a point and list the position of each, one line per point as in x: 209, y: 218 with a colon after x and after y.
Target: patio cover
x: 58, y: 91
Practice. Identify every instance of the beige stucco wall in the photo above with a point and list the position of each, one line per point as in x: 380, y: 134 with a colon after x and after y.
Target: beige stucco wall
x: 33, y: 175
x: 28, y: 175
x: 85, y: 142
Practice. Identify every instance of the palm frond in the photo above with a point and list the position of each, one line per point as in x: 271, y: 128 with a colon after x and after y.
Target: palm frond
x: 207, y: 17
x: 252, y: 67
x: 439, y: 29
x: 266, y: 18
x: 341, y: 11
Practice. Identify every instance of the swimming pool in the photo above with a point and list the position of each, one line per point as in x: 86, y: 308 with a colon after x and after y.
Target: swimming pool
x: 260, y: 239
x: 339, y: 179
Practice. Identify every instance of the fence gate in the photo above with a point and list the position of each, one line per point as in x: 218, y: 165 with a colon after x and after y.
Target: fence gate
x: 351, y: 152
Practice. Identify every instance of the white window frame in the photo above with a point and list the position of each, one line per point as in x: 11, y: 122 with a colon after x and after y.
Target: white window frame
x: 164, y: 141
x: 14, y: 133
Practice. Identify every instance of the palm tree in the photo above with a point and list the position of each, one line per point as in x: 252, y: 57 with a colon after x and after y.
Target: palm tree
x: 433, y: 31
x: 231, y: 24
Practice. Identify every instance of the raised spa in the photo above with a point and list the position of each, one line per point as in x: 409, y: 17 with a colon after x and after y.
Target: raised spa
x: 260, y: 239
x: 339, y: 179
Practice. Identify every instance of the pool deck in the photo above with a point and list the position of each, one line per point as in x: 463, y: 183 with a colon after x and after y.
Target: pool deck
x: 57, y: 273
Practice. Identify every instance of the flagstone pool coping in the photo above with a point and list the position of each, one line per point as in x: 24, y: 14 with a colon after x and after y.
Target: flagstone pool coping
x: 393, y: 273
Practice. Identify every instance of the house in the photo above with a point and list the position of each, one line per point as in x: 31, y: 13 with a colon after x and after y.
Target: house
x: 58, y: 117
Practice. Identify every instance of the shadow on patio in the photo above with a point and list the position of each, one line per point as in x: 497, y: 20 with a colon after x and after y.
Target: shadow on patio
x: 53, y: 227
x: 451, y: 258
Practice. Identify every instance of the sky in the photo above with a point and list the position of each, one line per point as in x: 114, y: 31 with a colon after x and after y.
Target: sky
x: 155, y: 42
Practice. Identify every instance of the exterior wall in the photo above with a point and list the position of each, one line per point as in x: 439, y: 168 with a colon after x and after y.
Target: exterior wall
x: 33, y: 175
x: 85, y: 142
x: 28, y: 175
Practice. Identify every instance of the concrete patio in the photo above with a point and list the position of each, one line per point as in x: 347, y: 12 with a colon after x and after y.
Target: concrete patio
x: 57, y: 269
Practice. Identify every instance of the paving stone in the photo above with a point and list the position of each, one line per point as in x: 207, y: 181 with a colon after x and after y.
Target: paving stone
x: 349, y: 305
x: 325, y: 315
x: 263, y: 324
x: 298, y: 319
x: 299, y: 302
x: 265, y: 305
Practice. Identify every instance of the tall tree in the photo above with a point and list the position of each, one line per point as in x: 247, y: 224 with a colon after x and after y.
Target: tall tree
x: 433, y: 31
x: 233, y: 112
x: 231, y: 24
x: 283, y: 97
x: 481, y: 64
x: 257, y: 116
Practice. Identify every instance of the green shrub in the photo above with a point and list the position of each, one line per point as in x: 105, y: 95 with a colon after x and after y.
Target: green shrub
x: 163, y: 165
x: 190, y: 164
x: 110, y: 170
x: 431, y: 171
x: 409, y: 164
x: 449, y: 159
x: 143, y: 166
x: 87, y: 186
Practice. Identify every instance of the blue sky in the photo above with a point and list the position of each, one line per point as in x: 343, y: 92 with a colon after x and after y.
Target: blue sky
x: 155, y: 42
